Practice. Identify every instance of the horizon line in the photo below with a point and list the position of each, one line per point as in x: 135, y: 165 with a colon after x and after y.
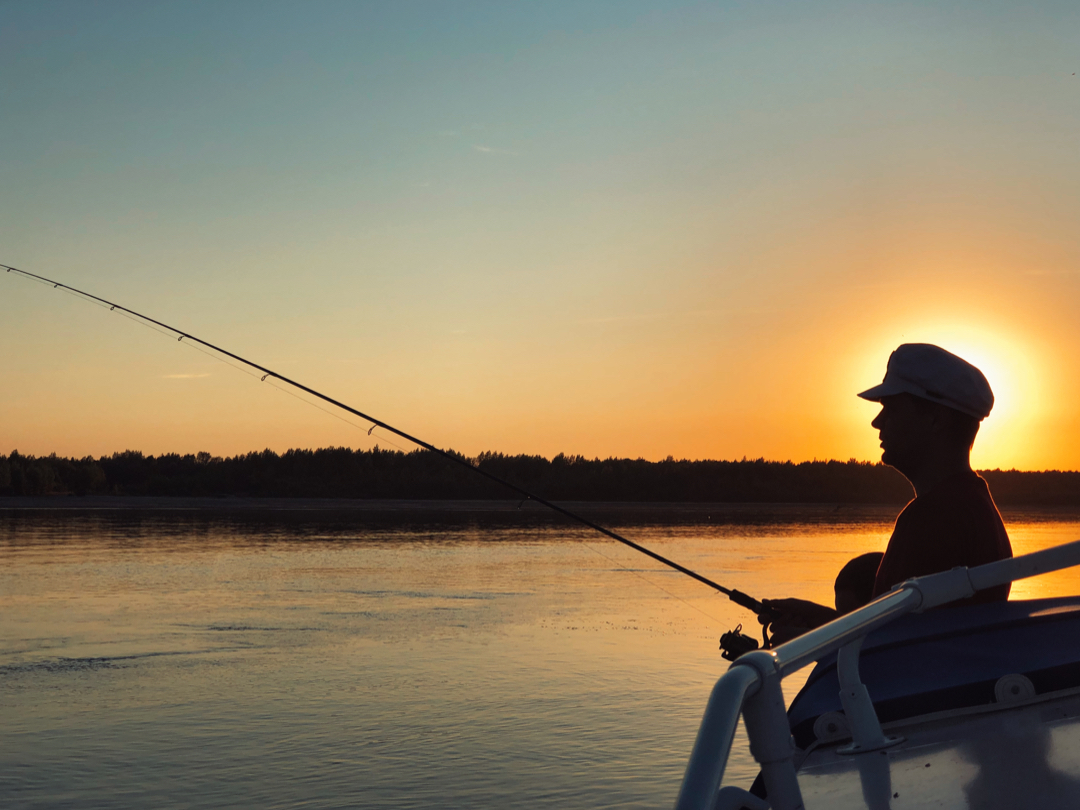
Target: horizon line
x: 486, y: 453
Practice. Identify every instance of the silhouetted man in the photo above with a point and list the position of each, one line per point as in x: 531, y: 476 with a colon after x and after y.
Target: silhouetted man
x: 931, y: 405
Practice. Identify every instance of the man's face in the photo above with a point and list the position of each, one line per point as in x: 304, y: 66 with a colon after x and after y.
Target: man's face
x: 905, y: 427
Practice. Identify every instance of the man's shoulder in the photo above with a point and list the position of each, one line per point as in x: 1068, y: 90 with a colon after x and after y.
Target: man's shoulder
x: 961, y: 497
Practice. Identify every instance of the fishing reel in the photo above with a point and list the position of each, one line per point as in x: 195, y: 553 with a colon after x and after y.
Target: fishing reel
x: 734, y: 643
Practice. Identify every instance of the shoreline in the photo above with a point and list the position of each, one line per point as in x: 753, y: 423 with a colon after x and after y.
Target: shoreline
x: 715, y: 510
x: 230, y: 503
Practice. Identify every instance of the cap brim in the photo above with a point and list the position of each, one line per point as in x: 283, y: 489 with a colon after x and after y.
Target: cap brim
x: 887, y: 389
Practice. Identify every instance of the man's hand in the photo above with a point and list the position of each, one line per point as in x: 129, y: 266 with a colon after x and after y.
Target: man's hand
x: 793, y: 617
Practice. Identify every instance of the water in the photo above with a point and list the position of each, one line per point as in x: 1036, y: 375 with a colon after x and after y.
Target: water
x: 387, y: 658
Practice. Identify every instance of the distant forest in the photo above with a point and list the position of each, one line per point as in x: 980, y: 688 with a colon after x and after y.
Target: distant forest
x: 386, y: 474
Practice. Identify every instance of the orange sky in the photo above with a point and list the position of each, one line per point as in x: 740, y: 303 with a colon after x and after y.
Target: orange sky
x: 673, y: 230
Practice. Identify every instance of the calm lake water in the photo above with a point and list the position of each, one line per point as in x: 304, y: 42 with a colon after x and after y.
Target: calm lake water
x: 309, y: 655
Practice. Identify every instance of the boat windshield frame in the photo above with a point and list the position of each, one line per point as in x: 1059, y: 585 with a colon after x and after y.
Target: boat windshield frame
x: 751, y: 686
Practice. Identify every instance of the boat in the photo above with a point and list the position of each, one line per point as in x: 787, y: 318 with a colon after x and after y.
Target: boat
x: 972, y: 706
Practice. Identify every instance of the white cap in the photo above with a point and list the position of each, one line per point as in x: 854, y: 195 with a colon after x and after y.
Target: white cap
x: 931, y: 373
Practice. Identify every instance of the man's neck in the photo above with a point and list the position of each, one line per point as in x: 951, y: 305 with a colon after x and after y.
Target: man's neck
x: 933, y: 474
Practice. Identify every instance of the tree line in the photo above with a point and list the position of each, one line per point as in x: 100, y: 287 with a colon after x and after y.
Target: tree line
x: 339, y: 472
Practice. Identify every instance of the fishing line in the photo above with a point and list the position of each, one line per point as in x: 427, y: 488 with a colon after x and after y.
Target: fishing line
x: 276, y: 387
x: 740, y: 598
x: 241, y: 369
x: 285, y: 391
x: 641, y: 576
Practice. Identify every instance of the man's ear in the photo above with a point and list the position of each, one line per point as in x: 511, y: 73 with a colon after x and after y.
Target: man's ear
x: 940, y: 417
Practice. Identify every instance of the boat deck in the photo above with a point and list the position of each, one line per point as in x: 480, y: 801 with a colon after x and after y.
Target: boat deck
x: 1019, y: 755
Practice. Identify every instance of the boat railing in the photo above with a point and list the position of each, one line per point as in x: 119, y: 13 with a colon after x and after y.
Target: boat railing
x: 751, y: 686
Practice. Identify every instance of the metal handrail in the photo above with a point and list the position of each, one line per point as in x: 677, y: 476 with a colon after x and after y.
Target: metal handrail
x: 752, y: 682
x: 809, y: 647
x: 717, y: 732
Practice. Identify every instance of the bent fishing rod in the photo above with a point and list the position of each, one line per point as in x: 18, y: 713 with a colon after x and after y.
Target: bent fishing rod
x: 736, y: 596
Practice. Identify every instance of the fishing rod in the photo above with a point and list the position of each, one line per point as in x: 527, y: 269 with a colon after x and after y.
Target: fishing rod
x: 736, y: 596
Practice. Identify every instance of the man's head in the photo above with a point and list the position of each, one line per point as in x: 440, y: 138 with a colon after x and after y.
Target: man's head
x: 931, y: 405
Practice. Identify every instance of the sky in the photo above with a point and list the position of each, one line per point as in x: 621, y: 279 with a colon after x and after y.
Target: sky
x: 632, y: 229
